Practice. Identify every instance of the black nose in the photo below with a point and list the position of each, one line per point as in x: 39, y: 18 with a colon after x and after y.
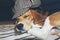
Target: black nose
x: 20, y: 26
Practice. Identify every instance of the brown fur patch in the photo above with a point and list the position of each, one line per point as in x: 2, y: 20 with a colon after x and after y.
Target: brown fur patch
x: 38, y: 16
x: 55, y: 19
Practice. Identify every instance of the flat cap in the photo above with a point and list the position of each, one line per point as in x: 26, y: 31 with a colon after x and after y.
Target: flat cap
x: 21, y: 6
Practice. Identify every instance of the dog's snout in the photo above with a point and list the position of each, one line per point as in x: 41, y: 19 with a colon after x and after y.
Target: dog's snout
x: 20, y: 26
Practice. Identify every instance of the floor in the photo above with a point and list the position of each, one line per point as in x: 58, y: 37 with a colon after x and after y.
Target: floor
x: 7, y: 33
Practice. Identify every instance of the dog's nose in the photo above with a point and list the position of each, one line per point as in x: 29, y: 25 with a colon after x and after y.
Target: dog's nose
x: 20, y: 26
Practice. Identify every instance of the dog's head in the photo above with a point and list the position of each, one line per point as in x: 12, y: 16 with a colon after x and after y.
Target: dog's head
x: 30, y: 19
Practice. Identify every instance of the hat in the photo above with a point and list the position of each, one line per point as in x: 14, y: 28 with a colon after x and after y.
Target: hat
x: 21, y: 6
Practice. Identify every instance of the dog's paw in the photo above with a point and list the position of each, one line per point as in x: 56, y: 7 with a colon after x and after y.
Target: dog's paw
x: 33, y: 30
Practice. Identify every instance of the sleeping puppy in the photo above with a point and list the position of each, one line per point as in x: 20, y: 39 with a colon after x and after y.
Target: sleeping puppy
x: 50, y: 22
x: 30, y: 19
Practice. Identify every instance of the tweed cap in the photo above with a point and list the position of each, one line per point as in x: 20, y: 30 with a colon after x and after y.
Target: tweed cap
x: 21, y: 6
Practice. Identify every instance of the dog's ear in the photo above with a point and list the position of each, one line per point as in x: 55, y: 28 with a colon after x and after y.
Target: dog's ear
x: 38, y: 16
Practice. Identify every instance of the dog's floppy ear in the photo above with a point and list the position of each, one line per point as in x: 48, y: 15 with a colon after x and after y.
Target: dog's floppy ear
x: 38, y: 16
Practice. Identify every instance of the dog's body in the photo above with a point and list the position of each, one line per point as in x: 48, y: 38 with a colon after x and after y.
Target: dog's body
x: 32, y: 21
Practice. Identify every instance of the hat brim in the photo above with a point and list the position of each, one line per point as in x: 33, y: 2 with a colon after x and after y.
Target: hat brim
x: 22, y: 11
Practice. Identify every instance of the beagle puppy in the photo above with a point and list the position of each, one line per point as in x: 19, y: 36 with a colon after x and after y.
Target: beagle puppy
x: 30, y: 19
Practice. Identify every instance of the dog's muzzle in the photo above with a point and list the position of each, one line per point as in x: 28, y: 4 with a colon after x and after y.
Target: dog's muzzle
x: 19, y: 28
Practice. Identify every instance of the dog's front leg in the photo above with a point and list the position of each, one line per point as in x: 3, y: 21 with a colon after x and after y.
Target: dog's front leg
x: 39, y: 33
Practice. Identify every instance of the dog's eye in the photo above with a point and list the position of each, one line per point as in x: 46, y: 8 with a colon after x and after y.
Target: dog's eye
x: 26, y: 16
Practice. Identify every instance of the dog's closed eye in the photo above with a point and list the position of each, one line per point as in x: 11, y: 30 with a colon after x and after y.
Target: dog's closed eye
x: 26, y: 16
